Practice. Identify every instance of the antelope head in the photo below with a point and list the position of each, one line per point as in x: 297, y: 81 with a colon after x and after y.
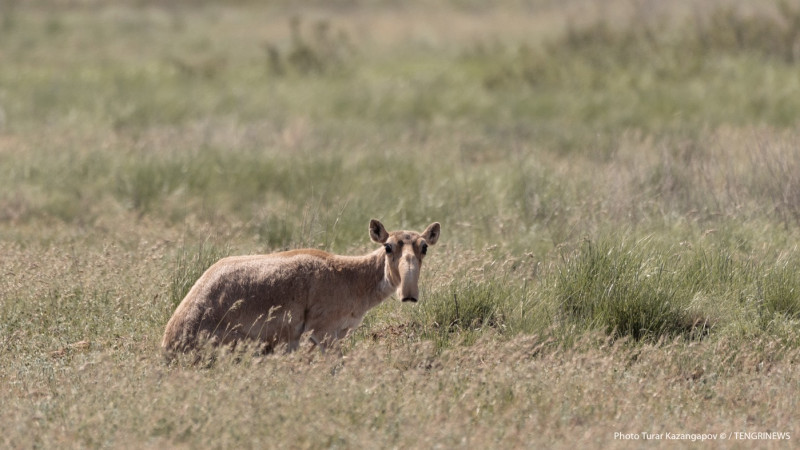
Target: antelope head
x: 405, y: 251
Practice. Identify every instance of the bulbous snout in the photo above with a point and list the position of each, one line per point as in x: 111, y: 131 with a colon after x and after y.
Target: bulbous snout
x: 408, y: 290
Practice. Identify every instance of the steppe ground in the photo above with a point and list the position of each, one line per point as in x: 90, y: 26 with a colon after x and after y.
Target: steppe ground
x: 618, y: 184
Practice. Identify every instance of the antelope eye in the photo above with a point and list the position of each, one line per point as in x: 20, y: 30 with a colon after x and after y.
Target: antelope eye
x: 388, y: 248
x: 424, y: 248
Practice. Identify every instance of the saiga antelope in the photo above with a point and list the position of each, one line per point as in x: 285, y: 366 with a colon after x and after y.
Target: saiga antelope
x: 276, y: 298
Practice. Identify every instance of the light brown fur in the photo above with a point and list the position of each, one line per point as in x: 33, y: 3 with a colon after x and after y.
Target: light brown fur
x: 276, y: 298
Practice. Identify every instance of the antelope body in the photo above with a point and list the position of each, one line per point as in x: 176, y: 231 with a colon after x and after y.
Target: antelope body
x: 276, y: 298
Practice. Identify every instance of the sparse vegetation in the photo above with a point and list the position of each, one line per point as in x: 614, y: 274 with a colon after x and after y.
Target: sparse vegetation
x: 323, y: 53
x: 618, y: 192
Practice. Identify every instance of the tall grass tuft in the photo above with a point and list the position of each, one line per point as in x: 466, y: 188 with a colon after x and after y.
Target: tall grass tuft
x: 190, y: 263
x: 462, y: 309
x: 324, y: 52
x: 781, y: 291
x: 623, y: 289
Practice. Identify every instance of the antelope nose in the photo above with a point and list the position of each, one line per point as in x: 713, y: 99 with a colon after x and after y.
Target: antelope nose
x: 410, y: 299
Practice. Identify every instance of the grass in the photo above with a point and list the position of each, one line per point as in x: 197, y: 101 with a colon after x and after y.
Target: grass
x: 617, y: 191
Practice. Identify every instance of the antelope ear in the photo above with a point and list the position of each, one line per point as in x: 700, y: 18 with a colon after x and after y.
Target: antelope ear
x: 377, y: 232
x: 431, y: 234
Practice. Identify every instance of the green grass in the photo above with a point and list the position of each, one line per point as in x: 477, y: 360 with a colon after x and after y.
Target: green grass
x: 189, y: 265
x: 617, y: 191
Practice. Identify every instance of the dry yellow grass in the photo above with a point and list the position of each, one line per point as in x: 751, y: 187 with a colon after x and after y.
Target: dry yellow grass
x: 526, y: 392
